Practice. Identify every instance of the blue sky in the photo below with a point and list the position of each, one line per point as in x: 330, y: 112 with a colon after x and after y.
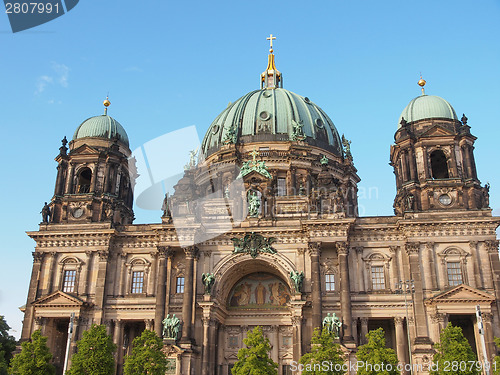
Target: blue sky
x: 168, y: 65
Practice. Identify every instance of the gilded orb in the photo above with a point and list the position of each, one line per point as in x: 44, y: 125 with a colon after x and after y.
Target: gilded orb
x: 421, y: 82
x: 106, y: 103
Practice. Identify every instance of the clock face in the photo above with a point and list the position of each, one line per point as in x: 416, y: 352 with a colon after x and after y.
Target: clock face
x: 77, y: 212
x: 445, y: 199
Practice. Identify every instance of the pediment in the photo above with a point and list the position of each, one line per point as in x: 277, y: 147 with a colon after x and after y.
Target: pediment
x: 461, y: 294
x: 436, y: 131
x: 59, y: 299
x: 84, y: 150
x: 256, y: 175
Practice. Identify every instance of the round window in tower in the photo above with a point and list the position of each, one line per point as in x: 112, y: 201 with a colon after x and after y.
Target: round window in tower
x: 444, y: 199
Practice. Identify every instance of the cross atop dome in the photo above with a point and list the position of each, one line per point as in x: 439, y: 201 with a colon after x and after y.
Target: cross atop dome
x: 271, y: 78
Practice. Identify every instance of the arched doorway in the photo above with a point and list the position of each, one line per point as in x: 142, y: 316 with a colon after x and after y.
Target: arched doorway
x: 255, y: 292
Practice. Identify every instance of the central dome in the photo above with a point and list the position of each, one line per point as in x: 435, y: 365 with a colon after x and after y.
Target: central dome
x: 270, y: 115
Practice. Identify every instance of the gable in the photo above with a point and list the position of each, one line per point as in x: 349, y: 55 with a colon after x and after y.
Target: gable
x: 436, y: 131
x: 461, y: 294
x: 84, y: 150
x: 58, y: 299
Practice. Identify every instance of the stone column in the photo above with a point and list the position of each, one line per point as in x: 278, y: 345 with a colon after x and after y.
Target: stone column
x: 297, y: 337
x: 429, y: 246
x: 364, y: 330
x: 488, y: 336
x: 187, y: 300
x: 422, y: 336
x: 314, y: 253
x: 345, y: 290
x: 395, y: 276
x: 86, y: 274
x: 160, y: 289
x: 205, y: 352
x: 168, y: 288
x: 494, y: 266
x: 122, y: 271
x: 426, y: 265
x: 100, y: 289
x: 274, y: 331
x: 476, y: 262
x: 355, y: 330
x: 360, y: 269
x: 413, y: 166
x: 401, y: 340
x: 69, y: 179
x: 118, y: 340
x: 51, y: 262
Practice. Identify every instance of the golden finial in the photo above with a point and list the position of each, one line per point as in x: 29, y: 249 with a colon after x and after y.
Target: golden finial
x: 271, y: 77
x: 271, y: 38
x: 421, y: 83
x: 106, y: 104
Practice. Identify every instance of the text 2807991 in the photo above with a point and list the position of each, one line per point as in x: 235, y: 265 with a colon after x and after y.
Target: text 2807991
x: 32, y: 8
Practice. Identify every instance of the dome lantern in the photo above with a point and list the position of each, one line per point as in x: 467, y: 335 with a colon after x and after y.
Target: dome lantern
x: 271, y: 78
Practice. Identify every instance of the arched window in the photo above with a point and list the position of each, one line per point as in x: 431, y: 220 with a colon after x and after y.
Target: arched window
x: 69, y: 274
x: 439, y: 166
x: 84, y: 179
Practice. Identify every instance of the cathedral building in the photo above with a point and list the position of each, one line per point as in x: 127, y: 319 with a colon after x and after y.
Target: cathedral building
x: 274, y: 167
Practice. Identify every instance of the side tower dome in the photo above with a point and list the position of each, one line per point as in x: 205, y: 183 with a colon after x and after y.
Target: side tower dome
x: 433, y: 159
x: 94, y: 181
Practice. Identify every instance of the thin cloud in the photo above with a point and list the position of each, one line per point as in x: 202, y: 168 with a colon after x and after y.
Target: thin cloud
x: 60, y: 76
x: 42, y: 83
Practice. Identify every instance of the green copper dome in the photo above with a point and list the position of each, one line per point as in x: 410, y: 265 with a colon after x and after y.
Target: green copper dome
x: 103, y: 126
x: 272, y: 115
x: 426, y: 107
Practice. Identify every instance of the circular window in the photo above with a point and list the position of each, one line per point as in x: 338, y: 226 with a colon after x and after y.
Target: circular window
x: 306, y: 99
x: 78, y: 212
x: 319, y: 123
x: 445, y: 199
x: 215, y: 129
x: 264, y: 115
x: 267, y: 94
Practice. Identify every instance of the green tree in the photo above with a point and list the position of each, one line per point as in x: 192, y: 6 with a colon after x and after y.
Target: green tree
x: 325, y: 358
x: 34, y: 358
x: 95, y: 353
x: 496, y: 360
x: 452, y: 348
x: 376, y: 357
x: 7, y: 346
x: 254, y: 359
x: 147, y: 356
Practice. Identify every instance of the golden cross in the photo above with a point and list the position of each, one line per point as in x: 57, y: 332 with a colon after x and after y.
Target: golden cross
x: 271, y: 38
x: 254, y: 154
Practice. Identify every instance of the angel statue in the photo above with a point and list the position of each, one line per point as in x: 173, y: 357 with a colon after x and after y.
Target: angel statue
x: 208, y: 280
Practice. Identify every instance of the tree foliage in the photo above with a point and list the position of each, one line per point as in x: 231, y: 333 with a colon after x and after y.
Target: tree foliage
x: 376, y: 357
x: 453, y: 348
x: 34, y: 358
x: 325, y: 356
x: 496, y: 360
x: 7, y: 345
x: 254, y: 359
x: 147, y: 356
x: 95, y: 353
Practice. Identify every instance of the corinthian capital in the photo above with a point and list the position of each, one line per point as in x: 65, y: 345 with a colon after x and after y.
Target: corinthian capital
x: 164, y: 252
x: 37, y: 256
x: 412, y: 247
x: 314, y: 248
x: 342, y: 248
x: 191, y: 252
x: 491, y: 246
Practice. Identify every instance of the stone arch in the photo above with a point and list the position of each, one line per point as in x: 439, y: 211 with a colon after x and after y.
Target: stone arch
x: 233, y: 268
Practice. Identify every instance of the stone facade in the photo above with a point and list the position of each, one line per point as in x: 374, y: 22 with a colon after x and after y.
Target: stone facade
x: 92, y: 261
